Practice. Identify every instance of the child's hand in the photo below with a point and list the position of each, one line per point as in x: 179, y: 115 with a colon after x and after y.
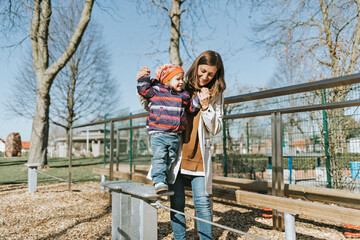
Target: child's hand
x: 142, y: 72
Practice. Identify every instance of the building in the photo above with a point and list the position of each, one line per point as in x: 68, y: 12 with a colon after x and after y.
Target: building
x: 84, y: 143
x: 25, y: 146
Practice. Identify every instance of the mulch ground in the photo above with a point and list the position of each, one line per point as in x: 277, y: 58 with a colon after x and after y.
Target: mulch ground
x: 55, y: 213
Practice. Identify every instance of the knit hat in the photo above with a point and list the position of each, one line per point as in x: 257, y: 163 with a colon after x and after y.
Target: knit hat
x: 167, y: 71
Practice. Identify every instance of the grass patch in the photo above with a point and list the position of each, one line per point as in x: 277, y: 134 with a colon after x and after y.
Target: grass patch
x: 14, y: 171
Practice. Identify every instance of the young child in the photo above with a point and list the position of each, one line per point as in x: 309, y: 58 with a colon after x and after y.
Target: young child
x: 168, y: 104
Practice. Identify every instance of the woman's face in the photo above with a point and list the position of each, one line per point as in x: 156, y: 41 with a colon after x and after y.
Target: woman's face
x: 205, y: 74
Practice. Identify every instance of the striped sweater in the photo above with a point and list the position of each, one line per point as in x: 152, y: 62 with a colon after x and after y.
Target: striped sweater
x: 167, y: 107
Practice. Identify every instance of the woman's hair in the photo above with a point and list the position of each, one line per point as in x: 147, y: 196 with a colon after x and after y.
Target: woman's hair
x: 217, y: 84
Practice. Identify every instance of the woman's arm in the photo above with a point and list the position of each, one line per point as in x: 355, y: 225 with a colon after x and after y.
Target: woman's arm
x: 213, y: 115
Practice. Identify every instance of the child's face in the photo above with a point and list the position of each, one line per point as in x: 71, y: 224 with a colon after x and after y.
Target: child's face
x: 177, y: 82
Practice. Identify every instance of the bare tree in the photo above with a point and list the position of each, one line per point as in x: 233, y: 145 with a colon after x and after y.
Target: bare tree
x: 83, y: 88
x: 327, y: 35
x: 182, y: 19
x: 44, y: 70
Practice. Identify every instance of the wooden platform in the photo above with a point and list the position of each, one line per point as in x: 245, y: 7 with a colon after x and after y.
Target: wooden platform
x: 246, y: 192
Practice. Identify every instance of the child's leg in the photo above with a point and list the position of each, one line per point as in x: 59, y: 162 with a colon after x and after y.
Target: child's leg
x: 160, y: 155
x: 173, y: 149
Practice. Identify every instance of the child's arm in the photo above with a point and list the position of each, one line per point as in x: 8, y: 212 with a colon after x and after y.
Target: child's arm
x: 194, y: 104
x: 144, y: 87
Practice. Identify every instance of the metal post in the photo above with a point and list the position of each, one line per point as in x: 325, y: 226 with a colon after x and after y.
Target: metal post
x: 117, y: 149
x: 133, y: 216
x: 32, y: 176
x: 326, y: 140
x: 314, y: 143
x: 290, y: 168
x: 290, y: 233
x: 247, y: 138
x: 111, y: 168
x: 224, y: 149
x: 130, y: 147
x: 103, y: 179
x: 70, y: 157
x: 105, y: 140
x: 277, y: 166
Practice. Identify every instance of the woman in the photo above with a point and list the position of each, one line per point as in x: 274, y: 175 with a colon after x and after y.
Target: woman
x: 205, y: 77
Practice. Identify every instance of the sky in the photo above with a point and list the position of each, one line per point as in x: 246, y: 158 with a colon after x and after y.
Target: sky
x: 130, y: 37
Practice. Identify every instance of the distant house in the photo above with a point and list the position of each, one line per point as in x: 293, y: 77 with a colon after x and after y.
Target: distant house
x: 91, y: 143
x: 25, y: 146
x: 88, y: 142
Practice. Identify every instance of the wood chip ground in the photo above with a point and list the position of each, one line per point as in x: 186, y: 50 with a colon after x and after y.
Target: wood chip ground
x: 55, y: 213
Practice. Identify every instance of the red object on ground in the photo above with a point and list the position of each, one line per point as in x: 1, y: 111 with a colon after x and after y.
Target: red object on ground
x: 350, y: 234
x: 267, y: 215
x: 352, y: 226
x: 267, y: 209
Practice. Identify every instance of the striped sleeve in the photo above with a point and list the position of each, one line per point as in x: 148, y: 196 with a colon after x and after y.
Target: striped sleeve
x: 145, y: 88
x: 194, y: 104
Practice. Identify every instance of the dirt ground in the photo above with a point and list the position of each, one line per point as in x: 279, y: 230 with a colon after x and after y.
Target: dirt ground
x: 55, y: 213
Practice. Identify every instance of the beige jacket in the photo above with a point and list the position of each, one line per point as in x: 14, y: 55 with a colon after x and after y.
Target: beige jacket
x: 210, y: 124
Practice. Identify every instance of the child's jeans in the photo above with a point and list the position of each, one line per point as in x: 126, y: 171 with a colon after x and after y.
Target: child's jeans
x: 165, y: 151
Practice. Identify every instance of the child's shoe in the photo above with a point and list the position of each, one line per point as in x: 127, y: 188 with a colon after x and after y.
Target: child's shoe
x: 161, y: 187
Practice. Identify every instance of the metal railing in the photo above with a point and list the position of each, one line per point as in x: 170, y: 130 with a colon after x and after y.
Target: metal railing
x: 295, y: 89
x: 276, y: 115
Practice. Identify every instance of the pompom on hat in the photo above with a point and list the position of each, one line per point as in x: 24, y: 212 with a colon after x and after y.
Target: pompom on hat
x: 167, y: 71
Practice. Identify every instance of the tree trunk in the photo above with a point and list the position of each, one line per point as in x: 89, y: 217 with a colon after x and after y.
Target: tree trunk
x: 40, y: 129
x: 46, y: 74
x: 174, y: 49
x: 67, y: 141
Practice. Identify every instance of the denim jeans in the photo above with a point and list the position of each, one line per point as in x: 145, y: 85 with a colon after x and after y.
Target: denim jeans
x: 202, y: 207
x: 165, y: 150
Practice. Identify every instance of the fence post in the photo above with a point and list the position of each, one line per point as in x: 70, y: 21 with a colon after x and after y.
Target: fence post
x: 277, y: 166
x: 117, y: 149
x: 130, y: 147
x: 32, y: 176
x: 247, y: 138
x: 111, y: 168
x: 224, y: 147
x: 70, y: 157
x: 326, y: 140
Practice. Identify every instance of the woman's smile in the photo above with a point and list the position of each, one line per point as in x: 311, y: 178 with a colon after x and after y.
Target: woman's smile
x: 205, y: 74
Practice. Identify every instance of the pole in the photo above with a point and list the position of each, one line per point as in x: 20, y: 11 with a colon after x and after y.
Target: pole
x: 247, y: 138
x: 326, y: 140
x: 117, y: 149
x: 130, y: 147
x: 105, y: 140
x: 111, y: 169
x: 314, y: 144
x: 70, y: 157
x: 224, y: 147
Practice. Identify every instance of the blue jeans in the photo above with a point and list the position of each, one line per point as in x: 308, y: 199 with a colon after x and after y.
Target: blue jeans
x: 201, y: 202
x: 165, y: 150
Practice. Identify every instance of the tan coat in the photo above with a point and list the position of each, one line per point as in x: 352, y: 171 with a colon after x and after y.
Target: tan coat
x: 210, y: 123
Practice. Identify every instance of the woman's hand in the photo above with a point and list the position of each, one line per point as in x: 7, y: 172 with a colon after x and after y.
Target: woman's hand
x: 142, y: 72
x: 204, y: 97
